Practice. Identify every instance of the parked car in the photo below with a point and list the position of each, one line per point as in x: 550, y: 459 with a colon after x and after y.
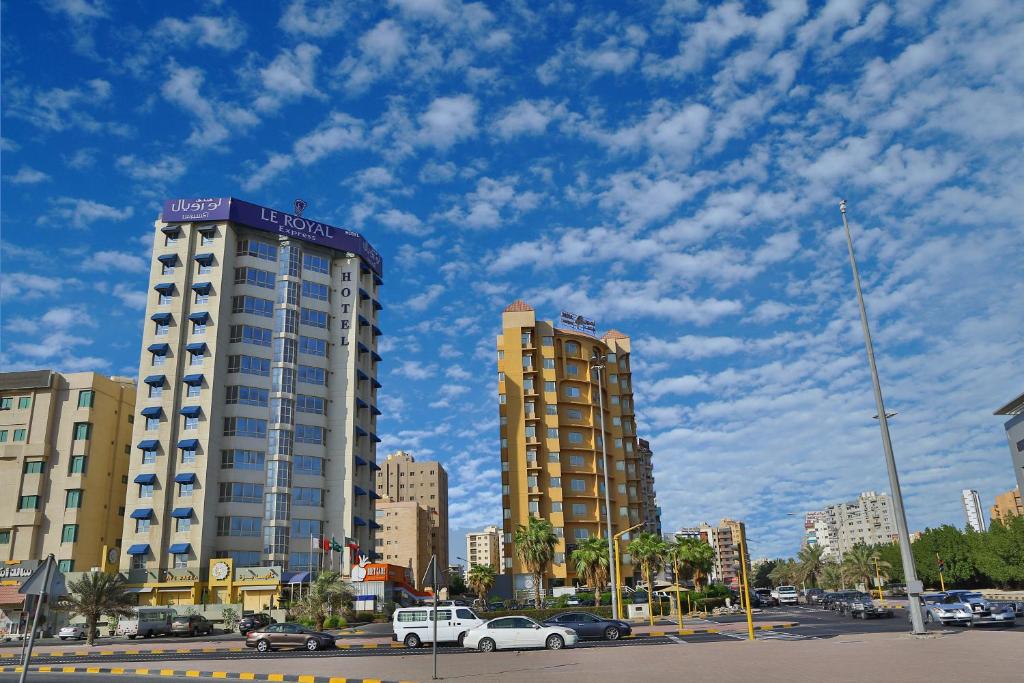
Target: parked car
x: 514, y: 633
x: 764, y: 597
x: 832, y: 601
x: 146, y: 622
x: 287, y: 635
x: 946, y: 609
x: 863, y: 607
x: 495, y: 606
x: 251, y: 622
x: 72, y: 632
x: 813, y: 596
x: 589, y: 625
x: 191, y: 625
x: 897, y: 590
x: 984, y: 610
x: 845, y: 603
x: 785, y: 595
x: 415, y: 625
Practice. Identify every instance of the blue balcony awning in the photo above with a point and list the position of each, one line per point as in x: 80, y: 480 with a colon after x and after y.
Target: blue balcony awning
x: 363, y: 348
x: 185, y: 478
x: 363, y: 321
x: 148, y: 444
x: 376, y: 356
x: 374, y: 466
x: 205, y: 259
x: 359, y: 461
x: 364, y: 267
x: 200, y: 317
x: 363, y: 294
x: 164, y: 287
x: 189, y: 444
x: 162, y: 318
x: 142, y: 513
x: 168, y: 259
x: 159, y: 349
x: 375, y: 525
x: 153, y: 411
x: 376, y: 439
x: 170, y: 229
x: 375, y: 495
x: 360, y: 403
x: 375, y: 383
x: 207, y: 228
x: 377, y: 280
x: 361, y: 375
x: 359, y: 490
x: 360, y: 431
x: 138, y: 549
x: 196, y: 347
x: 191, y: 411
x: 194, y: 380
x: 145, y: 478
x: 359, y: 521
x: 376, y: 331
x: 179, y: 548
x: 377, y: 305
x: 155, y: 380
x: 181, y: 513
x: 202, y: 287
x: 375, y: 410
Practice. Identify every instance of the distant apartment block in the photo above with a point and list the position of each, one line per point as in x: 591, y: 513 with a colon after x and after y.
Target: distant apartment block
x: 485, y: 548
x: 725, y: 539
x: 405, y: 536
x: 869, y: 520
x: 651, y: 511
x: 1007, y: 505
x: 972, y: 509
x: 401, y: 479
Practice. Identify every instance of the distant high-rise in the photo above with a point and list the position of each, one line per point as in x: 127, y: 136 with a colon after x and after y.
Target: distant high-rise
x: 405, y: 536
x: 401, y: 478
x: 725, y: 539
x: 972, y: 509
x: 651, y: 511
x: 1007, y: 505
x: 1015, y: 436
x: 485, y: 548
x: 869, y: 520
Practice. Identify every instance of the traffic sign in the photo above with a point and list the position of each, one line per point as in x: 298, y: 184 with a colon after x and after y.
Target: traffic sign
x: 36, y: 584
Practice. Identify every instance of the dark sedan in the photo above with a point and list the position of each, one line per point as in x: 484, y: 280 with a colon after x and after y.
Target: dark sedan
x: 287, y: 635
x: 588, y: 625
x: 252, y: 622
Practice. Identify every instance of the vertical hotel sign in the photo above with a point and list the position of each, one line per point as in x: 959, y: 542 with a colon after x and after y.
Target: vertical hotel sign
x: 271, y: 220
x: 578, y: 322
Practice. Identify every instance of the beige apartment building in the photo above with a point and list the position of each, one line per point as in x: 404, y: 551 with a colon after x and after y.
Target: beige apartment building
x: 725, y: 539
x: 65, y: 443
x: 551, y: 439
x: 485, y: 548
x: 405, y: 536
x: 1007, y: 505
x: 403, y: 479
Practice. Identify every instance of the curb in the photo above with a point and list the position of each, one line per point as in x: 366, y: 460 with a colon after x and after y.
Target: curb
x: 191, y: 673
x: 696, y: 631
x: 181, y: 651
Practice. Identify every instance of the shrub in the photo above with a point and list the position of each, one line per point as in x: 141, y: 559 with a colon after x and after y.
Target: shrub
x: 331, y: 622
x: 708, y: 604
x: 229, y: 617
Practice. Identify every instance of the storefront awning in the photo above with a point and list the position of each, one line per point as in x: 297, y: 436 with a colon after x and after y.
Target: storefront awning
x: 257, y: 588
x: 139, y: 549
x: 144, y: 589
x: 297, y: 577
x: 10, y: 597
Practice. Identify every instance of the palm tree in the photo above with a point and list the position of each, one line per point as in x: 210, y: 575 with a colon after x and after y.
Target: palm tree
x: 700, y: 558
x: 649, y: 550
x: 832, y: 575
x: 535, y: 544
x: 480, y: 580
x: 327, y: 594
x: 591, y: 559
x: 785, y: 573
x: 810, y: 559
x: 96, y: 594
x: 859, y: 564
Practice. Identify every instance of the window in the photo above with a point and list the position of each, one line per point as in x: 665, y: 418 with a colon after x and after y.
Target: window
x: 579, y: 509
x: 242, y: 459
x: 196, y: 357
x: 572, y: 392
x: 182, y: 524
x: 311, y: 375
x: 313, y: 317
x: 623, y: 511
x: 527, y: 339
x: 559, y: 558
x: 576, y: 460
x: 156, y: 390
x: 548, y: 341
x: 142, y: 525
x: 33, y: 467
x: 19, y: 434
x: 572, y: 370
x: 315, y: 290
x: 238, y: 492
x: 159, y: 359
x: 152, y: 423
x: 199, y: 327
x: 578, y: 485
x: 316, y: 264
x: 188, y: 456
x: 6, y: 402
x: 552, y: 432
x: 581, y: 534
x: 249, y: 365
x: 309, y: 434
x: 83, y: 430
x: 180, y: 560
x: 555, y: 482
x: 307, y: 464
x: 553, y: 456
x: 241, y: 526
x: 313, y: 346
x: 5, y: 536
x: 302, y: 496
x: 528, y: 385
x: 69, y: 534
x: 191, y: 422
x: 253, y: 306
x: 207, y: 236
x: 148, y: 457
x: 501, y: 399
x: 245, y: 426
x: 572, y: 347
x: 534, y: 507
x: 258, y: 249
x: 250, y: 396
x: 145, y: 490
x: 167, y: 268
x: 575, y: 437
x: 28, y: 503
x: 549, y: 363
x: 185, y: 490
x: 161, y: 328
x: 255, y: 277
x: 3, y: 435
x: 202, y: 296
x: 248, y: 334
x: 193, y: 390
x: 309, y: 404
x: 73, y: 499
x: 85, y: 398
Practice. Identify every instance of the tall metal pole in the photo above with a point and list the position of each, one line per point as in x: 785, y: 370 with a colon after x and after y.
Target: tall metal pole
x: 433, y: 644
x: 607, y: 494
x: 745, y: 595
x: 35, y: 619
x: 906, y: 554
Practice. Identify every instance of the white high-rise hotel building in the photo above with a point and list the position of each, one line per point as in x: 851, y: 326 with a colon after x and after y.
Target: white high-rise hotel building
x: 256, y: 419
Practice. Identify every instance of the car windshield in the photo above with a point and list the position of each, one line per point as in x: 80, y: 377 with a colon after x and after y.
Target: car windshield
x: 180, y: 620
x: 972, y: 596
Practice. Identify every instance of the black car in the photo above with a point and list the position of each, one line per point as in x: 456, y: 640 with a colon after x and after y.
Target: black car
x: 813, y: 596
x: 588, y: 625
x: 253, y: 622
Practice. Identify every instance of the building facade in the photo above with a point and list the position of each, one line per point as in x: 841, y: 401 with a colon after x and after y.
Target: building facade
x: 651, y: 511
x: 972, y: 509
x: 254, y: 438
x: 725, y: 539
x: 401, y: 478
x: 64, y: 452
x: 818, y: 532
x: 1015, y: 436
x: 1007, y: 505
x: 837, y: 528
x: 485, y: 548
x: 551, y: 440
x: 405, y: 536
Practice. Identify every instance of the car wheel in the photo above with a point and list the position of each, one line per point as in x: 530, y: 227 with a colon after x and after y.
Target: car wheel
x: 487, y: 645
x: 131, y: 637
x: 312, y: 644
x: 462, y: 639
x: 929, y: 618
x: 412, y: 640
x: 554, y: 643
x: 611, y: 633
x: 263, y: 646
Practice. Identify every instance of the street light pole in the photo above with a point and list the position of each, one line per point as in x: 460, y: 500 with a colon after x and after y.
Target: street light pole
x: 597, y: 362
x: 914, y: 587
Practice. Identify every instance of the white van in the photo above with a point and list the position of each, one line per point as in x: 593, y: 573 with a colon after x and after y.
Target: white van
x: 147, y: 622
x: 785, y: 595
x: 414, y: 625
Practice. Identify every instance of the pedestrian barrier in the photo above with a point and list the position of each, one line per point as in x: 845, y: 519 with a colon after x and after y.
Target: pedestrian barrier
x: 192, y: 673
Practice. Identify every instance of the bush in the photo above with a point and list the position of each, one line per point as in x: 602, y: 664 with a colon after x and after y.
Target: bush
x: 707, y: 604
x: 229, y: 617
x: 331, y: 622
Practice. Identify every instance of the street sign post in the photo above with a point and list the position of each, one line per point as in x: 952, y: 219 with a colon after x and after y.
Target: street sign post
x: 430, y: 576
x: 45, y: 581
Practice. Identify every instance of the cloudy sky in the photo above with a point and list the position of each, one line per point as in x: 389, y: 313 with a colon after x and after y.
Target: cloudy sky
x: 672, y: 170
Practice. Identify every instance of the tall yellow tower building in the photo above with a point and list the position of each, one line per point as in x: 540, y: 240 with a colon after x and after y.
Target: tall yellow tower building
x: 551, y: 438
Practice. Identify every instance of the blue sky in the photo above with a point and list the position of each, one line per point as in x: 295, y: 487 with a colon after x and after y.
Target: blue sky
x: 672, y: 169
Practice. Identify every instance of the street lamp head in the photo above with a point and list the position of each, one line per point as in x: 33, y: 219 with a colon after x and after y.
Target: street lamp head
x: 842, y: 205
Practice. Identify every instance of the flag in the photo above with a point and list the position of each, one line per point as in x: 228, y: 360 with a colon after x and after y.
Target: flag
x: 336, y: 546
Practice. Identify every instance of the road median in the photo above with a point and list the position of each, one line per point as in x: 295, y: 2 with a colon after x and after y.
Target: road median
x: 193, y: 673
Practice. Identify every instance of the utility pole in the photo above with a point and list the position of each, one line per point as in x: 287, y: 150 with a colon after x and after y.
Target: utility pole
x: 914, y: 586
x: 597, y: 363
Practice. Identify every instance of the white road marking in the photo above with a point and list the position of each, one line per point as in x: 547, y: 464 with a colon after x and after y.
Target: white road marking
x: 676, y: 639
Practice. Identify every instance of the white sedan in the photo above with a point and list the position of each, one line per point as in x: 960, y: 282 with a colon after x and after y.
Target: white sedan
x: 71, y: 633
x: 513, y: 633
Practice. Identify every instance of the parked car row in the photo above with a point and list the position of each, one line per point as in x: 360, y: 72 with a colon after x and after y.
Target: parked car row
x: 967, y: 608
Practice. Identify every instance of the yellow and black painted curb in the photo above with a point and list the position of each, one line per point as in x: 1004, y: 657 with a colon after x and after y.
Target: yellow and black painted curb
x: 181, y: 651
x: 192, y: 673
x: 697, y: 631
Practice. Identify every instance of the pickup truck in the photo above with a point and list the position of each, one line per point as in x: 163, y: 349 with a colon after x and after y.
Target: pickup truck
x: 785, y: 595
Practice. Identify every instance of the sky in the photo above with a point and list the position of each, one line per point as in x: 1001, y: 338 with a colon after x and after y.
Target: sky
x: 669, y: 168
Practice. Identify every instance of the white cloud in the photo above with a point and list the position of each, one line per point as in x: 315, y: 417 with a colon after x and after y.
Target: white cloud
x: 291, y: 76
x: 415, y: 370
x: 27, y: 175
x: 527, y: 117
x: 424, y: 299
x: 117, y: 261
x: 319, y: 18
x: 133, y: 297
x: 434, y: 172
x: 166, y: 169
x: 223, y: 33
x: 81, y: 213
x: 337, y: 132
x: 689, y: 346
x: 403, y: 221
x: 448, y: 120
x: 484, y: 206
x: 214, y: 120
x: 381, y: 49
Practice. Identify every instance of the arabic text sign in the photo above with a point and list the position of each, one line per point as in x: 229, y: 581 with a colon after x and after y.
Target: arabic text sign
x: 578, y: 322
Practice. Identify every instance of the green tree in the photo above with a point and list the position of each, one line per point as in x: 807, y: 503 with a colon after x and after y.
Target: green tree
x: 456, y: 584
x: 859, y: 565
x: 785, y: 573
x: 761, y: 576
x: 810, y: 561
x: 481, y: 578
x: 699, y: 556
x: 999, y: 553
x: 534, y: 543
x: 890, y: 553
x: 95, y: 594
x: 591, y: 560
x: 832, y: 575
x: 957, y: 552
x: 328, y: 594
x: 649, y: 551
